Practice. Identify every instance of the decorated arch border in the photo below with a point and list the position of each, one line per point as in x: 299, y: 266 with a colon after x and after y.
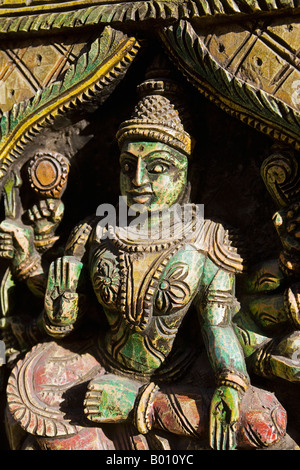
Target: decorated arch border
x: 113, y: 51
x: 104, y: 64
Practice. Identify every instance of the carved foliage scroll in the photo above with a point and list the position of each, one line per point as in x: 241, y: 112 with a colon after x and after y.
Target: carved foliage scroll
x: 44, y: 15
x: 280, y: 173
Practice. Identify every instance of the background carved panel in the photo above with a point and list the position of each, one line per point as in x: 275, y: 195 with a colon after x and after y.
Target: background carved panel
x: 265, y: 54
x: 30, y: 67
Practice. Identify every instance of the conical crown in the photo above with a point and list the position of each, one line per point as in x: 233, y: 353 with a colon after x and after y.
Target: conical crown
x: 160, y: 114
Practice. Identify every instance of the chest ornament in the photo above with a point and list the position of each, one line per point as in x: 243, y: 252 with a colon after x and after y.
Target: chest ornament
x: 106, y: 280
x: 142, y: 281
x: 172, y: 289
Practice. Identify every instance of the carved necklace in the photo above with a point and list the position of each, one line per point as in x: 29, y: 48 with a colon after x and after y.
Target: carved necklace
x: 136, y: 299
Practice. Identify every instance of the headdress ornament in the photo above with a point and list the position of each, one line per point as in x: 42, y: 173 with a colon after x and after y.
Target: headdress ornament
x: 160, y: 113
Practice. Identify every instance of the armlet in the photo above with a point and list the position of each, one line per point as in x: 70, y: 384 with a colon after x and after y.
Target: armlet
x: 76, y: 244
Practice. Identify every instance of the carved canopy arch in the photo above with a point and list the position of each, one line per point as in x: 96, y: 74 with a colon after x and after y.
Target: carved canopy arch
x: 105, y: 62
x: 250, y: 70
x: 242, y: 55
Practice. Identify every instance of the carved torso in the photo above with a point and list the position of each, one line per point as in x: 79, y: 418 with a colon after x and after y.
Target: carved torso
x: 144, y: 309
x: 146, y: 290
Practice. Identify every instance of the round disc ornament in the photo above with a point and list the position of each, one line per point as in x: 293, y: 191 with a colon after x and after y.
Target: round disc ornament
x: 48, y: 173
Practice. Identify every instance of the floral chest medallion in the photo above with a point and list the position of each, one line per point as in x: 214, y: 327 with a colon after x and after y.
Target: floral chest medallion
x: 141, y: 285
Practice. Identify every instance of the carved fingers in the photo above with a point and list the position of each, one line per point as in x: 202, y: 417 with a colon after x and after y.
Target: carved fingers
x: 224, y: 415
x: 62, y: 298
x: 61, y: 273
x: 16, y: 241
x: 46, y: 215
x: 66, y: 272
x: 93, y: 405
x: 46, y: 208
x: 6, y: 245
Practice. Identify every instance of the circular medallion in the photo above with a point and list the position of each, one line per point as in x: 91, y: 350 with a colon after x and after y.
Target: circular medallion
x: 48, y: 173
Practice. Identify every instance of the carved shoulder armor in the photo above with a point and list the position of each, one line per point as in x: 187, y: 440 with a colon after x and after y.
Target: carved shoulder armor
x: 215, y: 240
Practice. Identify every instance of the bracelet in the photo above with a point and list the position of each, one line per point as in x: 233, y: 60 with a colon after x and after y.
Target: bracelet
x: 27, y: 267
x: 142, y: 409
x: 234, y: 380
x: 56, y: 331
x: 44, y: 243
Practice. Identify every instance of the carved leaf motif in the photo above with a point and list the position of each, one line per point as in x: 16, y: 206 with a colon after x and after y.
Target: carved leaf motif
x: 178, y: 272
x: 26, y: 408
x: 109, y: 56
x: 51, y: 16
x: 172, y: 288
x: 237, y: 95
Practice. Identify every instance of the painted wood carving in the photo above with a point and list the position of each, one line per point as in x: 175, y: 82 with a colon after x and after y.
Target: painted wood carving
x: 149, y: 234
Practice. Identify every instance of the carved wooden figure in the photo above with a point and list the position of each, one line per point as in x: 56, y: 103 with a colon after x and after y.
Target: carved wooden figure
x: 157, y: 331
x: 140, y: 374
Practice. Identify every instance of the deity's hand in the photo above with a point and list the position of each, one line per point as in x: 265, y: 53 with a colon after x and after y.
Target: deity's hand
x: 16, y: 242
x: 287, y: 223
x: 46, y: 216
x: 110, y: 398
x: 284, y: 358
x: 224, y: 416
x: 62, y: 299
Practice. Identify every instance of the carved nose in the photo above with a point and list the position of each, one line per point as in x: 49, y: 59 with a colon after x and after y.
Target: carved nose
x: 141, y: 176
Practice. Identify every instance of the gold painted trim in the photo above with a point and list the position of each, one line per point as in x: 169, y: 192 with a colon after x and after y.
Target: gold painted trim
x: 54, y: 6
x: 35, y: 121
x: 196, y: 8
x: 250, y: 118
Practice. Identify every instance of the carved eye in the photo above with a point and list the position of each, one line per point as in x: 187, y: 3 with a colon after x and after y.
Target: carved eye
x: 127, y: 167
x: 159, y: 168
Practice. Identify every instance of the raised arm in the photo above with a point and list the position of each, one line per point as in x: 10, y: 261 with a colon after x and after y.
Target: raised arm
x: 17, y: 246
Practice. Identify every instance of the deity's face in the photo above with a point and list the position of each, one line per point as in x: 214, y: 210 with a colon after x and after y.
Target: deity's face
x: 153, y: 175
